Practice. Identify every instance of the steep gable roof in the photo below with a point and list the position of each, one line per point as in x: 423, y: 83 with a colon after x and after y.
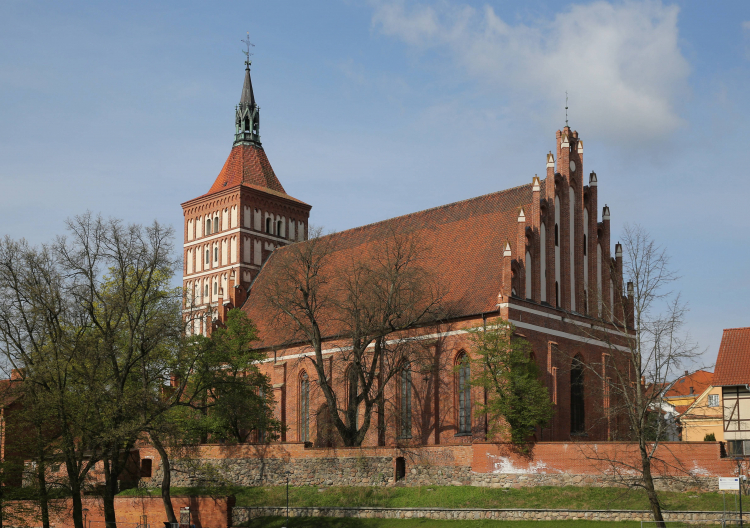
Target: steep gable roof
x: 463, y: 242
x: 733, y: 362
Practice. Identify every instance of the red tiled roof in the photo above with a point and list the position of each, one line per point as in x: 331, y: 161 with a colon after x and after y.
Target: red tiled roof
x: 698, y: 381
x: 463, y: 245
x: 247, y: 165
x: 733, y: 362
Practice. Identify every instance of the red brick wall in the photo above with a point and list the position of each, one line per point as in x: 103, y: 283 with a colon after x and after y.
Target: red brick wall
x: 206, y: 512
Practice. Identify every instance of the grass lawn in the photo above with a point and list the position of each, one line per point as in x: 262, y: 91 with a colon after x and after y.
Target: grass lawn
x: 333, y: 522
x: 547, y: 497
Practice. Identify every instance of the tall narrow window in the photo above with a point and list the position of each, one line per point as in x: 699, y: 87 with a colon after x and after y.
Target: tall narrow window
x: 304, y: 408
x: 529, y: 268
x: 558, y: 259
x: 206, y: 290
x: 278, y: 228
x: 216, y: 224
x: 405, y: 425
x: 208, y: 226
x: 464, y: 395
x: 352, y: 387
x: 216, y: 253
x: 208, y: 256
x: 577, y: 410
x: 216, y: 287
x: 543, y: 262
x: 572, y: 246
x: 268, y: 226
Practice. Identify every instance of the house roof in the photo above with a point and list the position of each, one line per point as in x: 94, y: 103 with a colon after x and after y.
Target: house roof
x: 248, y: 165
x: 690, y: 384
x: 463, y: 245
x: 733, y: 362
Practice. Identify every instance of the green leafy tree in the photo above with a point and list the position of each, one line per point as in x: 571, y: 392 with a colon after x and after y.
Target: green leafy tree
x: 517, y: 401
x: 219, y: 393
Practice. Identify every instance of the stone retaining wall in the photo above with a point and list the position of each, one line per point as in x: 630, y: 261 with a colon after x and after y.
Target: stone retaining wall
x: 242, y: 514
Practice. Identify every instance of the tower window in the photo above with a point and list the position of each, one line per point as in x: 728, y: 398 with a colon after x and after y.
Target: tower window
x: 208, y: 227
x: 216, y: 288
x: 216, y: 253
x: 206, y: 290
x: 216, y: 224
x: 585, y: 243
x: 208, y: 256
x: 557, y: 294
x: 557, y: 236
x: 278, y: 228
x: 268, y: 226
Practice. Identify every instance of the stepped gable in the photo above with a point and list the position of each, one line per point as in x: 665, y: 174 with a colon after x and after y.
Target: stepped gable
x: 464, y: 246
x: 247, y: 165
x: 733, y: 362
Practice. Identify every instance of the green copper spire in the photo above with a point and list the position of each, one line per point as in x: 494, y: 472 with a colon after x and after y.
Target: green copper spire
x: 247, y: 118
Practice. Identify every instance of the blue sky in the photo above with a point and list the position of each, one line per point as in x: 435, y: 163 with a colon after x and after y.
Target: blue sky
x: 372, y: 109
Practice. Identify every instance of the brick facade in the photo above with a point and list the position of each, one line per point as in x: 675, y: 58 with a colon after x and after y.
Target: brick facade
x: 537, y: 255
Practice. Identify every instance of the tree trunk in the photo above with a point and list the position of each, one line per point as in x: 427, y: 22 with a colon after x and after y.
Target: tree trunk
x: 110, y: 490
x: 648, y: 482
x: 75, y: 489
x: 166, y: 479
x: 43, y: 495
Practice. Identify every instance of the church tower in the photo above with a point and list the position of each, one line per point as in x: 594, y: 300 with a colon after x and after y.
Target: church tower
x: 231, y: 230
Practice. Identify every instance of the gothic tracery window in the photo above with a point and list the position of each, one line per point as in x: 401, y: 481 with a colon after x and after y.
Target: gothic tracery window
x: 304, y: 408
x: 463, y: 387
x: 405, y: 404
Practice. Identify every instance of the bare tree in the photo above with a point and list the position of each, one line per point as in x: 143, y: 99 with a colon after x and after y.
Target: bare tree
x: 364, y: 302
x: 644, y: 330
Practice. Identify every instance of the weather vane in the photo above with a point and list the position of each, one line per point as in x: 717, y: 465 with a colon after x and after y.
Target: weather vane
x: 566, y: 103
x: 247, y: 53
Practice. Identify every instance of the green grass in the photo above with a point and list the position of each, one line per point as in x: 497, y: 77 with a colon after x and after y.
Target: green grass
x: 336, y: 522
x: 546, y: 497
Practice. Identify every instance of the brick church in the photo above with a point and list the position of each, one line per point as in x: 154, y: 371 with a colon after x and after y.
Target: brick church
x: 537, y: 255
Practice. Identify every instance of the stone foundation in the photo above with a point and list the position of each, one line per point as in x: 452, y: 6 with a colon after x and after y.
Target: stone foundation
x: 242, y: 514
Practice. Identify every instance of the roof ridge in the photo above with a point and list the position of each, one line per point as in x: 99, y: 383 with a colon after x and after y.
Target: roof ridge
x: 738, y: 328
x: 430, y: 209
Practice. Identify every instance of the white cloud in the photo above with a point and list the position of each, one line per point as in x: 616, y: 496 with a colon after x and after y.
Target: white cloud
x: 621, y: 63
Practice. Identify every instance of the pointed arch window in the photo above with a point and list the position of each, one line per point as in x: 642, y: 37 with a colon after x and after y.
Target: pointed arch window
x: 577, y: 407
x: 352, y: 386
x: 463, y: 387
x: 216, y: 253
x: 208, y: 256
x: 304, y: 408
x: 405, y: 403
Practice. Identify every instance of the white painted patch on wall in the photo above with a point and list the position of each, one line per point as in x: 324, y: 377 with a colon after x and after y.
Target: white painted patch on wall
x: 501, y: 464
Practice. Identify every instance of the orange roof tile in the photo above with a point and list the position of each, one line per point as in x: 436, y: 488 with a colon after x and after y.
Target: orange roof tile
x: 248, y: 165
x: 698, y: 381
x: 733, y: 362
x: 463, y: 244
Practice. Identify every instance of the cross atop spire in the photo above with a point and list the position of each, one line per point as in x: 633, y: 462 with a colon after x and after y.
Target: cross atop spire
x: 247, y: 118
x: 247, y: 53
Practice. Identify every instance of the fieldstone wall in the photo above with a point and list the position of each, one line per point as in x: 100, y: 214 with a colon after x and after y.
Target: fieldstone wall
x: 243, y: 514
x: 380, y: 471
x: 320, y: 471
